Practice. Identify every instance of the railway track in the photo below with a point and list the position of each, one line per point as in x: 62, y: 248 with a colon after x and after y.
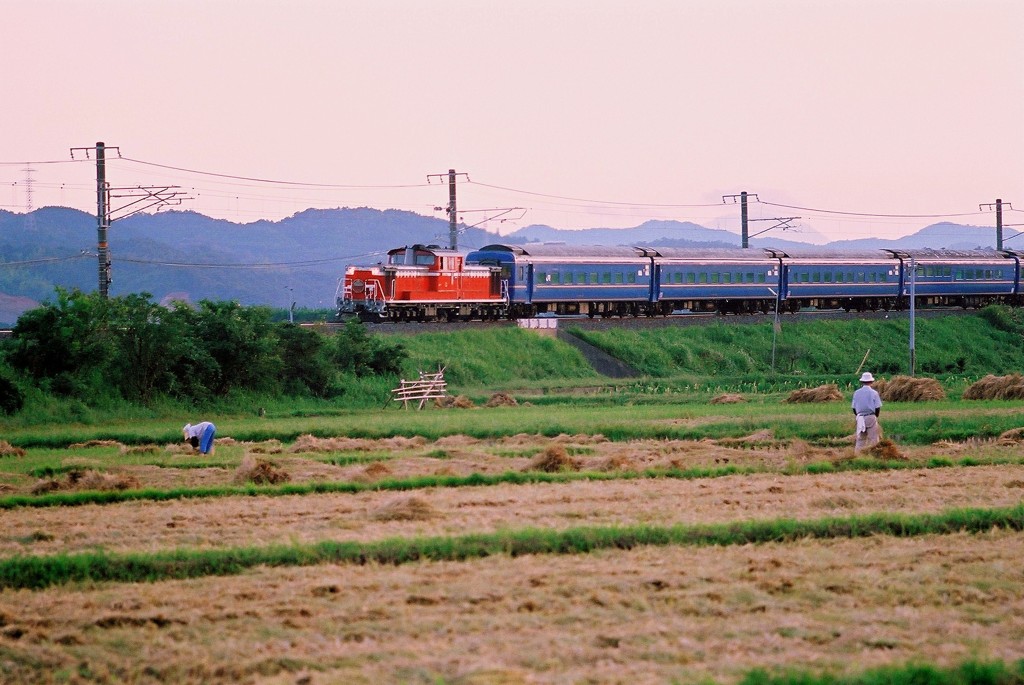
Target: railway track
x: 638, y: 322
x: 587, y: 323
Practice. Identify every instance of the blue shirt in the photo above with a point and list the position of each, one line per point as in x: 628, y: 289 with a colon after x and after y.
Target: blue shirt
x: 866, y: 400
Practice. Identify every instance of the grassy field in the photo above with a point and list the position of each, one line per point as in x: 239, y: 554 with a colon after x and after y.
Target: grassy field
x: 594, y: 532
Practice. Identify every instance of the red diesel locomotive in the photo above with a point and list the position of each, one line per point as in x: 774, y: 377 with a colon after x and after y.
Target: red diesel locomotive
x: 422, y: 282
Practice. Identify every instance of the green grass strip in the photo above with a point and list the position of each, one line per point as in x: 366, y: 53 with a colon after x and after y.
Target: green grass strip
x: 967, y: 673
x: 80, y: 498
x: 35, y: 572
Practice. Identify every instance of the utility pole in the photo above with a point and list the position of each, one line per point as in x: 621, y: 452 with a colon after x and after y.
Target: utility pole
x: 744, y: 233
x: 164, y: 195
x: 30, y: 218
x: 998, y: 204
x: 913, y: 316
x: 451, y: 209
x: 102, y: 212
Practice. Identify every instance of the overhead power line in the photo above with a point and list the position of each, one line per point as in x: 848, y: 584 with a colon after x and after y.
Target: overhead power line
x: 580, y: 199
x: 879, y: 215
x: 46, y: 260
x: 256, y: 179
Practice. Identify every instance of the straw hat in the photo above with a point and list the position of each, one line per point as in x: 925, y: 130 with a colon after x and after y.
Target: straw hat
x: 866, y: 377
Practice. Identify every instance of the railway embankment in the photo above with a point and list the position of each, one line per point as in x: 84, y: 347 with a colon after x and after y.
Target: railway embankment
x: 604, y: 363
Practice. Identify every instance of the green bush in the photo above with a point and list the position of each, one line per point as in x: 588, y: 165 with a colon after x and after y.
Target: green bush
x: 12, y: 399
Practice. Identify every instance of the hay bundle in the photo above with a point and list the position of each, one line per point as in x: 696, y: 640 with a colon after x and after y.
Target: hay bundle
x: 9, y: 450
x: 618, y: 463
x: 501, y: 399
x: 98, y: 480
x: 400, y: 442
x: 996, y: 388
x: 259, y: 471
x: 456, y: 441
x: 45, y: 485
x: 909, y: 389
x: 886, y: 449
x: 552, y: 460
x: 761, y: 437
x: 406, y: 509
x: 94, y: 443
x: 272, y: 446
x: 376, y: 470
x: 1012, y: 436
x: 822, y: 393
x: 141, y: 449
x: 727, y: 398
x: 456, y: 402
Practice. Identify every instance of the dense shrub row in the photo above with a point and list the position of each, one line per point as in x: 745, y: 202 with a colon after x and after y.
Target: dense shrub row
x: 91, y: 348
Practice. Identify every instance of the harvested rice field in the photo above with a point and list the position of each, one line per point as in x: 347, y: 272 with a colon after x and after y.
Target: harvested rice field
x: 663, y: 613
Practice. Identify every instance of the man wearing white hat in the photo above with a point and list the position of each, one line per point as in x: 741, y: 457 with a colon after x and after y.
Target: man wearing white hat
x: 867, y: 405
x: 200, y: 436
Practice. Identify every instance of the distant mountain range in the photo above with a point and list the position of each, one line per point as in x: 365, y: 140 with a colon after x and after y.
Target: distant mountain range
x: 189, y: 256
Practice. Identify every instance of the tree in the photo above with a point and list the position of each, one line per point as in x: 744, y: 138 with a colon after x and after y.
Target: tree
x: 355, y: 351
x: 63, y: 345
x: 243, y: 344
x: 306, y: 366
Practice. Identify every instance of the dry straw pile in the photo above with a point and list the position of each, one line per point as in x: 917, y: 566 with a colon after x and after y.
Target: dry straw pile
x: 94, y: 443
x: 89, y: 479
x: 727, y: 398
x: 98, y: 480
x: 456, y: 402
x: 1011, y: 437
x: 822, y: 393
x: 909, y: 389
x: 259, y: 471
x: 886, y: 449
x: 9, y: 450
x: 997, y: 388
x: 406, y: 509
x: 553, y: 459
x: 501, y: 399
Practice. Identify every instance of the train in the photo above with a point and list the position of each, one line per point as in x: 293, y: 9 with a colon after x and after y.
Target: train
x: 509, y: 281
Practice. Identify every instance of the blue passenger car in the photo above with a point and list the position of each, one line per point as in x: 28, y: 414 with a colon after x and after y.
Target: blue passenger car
x: 568, y: 279
x: 839, y: 280
x: 960, y: 278
x: 730, y: 280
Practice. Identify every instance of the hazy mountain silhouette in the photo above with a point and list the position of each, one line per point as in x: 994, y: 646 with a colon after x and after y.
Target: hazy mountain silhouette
x: 301, y: 257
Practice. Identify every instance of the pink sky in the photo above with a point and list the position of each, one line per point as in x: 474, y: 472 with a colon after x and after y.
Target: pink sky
x: 590, y: 113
